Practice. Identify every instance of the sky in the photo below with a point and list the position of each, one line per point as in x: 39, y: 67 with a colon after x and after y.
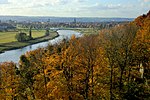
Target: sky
x: 75, y: 8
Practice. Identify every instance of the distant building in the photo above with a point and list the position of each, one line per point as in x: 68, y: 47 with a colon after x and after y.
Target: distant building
x: 6, y: 26
x: 75, y: 20
x: 49, y: 21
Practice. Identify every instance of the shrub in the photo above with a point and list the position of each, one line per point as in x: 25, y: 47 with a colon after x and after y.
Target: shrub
x: 21, y: 37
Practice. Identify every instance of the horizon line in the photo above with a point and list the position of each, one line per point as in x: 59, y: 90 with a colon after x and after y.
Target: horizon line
x: 64, y: 16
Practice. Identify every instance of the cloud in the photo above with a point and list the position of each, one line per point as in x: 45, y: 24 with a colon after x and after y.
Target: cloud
x: 20, y: 4
x: 146, y: 0
x: 3, y: 2
x: 98, y: 6
x: 73, y: 7
x: 80, y: 1
x: 37, y: 2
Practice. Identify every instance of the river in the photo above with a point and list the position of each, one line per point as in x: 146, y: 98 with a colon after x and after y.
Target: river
x: 14, y: 55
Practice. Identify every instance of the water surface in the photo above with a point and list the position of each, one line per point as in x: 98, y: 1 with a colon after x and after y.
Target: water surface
x: 14, y: 55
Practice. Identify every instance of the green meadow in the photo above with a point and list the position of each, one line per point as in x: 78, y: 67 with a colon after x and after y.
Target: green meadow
x: 8, y: 41
x: 6, y: 37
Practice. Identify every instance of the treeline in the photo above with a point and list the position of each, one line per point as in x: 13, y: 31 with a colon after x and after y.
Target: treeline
x: 98, y: 25
x: 23, y: 37
x: 111, y: 65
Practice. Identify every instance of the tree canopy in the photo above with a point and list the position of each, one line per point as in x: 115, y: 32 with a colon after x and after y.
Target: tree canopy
x: 113, y: 64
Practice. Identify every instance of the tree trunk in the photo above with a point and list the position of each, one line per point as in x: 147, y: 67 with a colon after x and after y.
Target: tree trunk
x: 120, y: 82
x: 45, y: 82
x: 87, y: 85
x: 129, y: 78
x: 111, y: 84
x: 92, y: 81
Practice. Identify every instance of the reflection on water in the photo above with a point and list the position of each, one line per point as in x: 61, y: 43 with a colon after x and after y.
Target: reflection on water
x: 14, y: 55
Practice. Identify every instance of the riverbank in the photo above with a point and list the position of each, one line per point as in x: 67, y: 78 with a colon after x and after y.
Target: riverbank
x: 16, y: 45
x: 14, y: 55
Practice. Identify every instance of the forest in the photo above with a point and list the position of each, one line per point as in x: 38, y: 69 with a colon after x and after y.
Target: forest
x: 111, y: 65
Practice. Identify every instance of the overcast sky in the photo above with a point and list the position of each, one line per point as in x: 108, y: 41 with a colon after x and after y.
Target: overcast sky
x: 75, y: 8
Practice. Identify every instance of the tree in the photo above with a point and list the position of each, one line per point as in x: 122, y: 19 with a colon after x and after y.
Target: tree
x: 22, y: 37
x: 30, y: 32
x: 118, y: 44
x: 26, y: 88
x: 47, y: 32
x: 8, y: 81
x: 92, y: 67
x: 142, y: 43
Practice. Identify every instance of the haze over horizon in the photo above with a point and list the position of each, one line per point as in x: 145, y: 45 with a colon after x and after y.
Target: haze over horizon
x: 75, y: 8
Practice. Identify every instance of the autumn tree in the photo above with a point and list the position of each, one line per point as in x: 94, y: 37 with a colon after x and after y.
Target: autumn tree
x: 8, y: 81
x: 74, y: 68
x: 93, y: 67
x: 142, y: 42
x: 26, y: 88
x: 117, y: 43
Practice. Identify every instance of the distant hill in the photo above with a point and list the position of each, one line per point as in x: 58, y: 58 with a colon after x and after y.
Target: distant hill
x: 61, y: 19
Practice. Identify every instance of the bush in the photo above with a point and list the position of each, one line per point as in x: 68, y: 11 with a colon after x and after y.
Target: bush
x: 21, y: 37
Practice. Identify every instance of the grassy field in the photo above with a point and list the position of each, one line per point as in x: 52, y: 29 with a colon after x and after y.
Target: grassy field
x: 85, y: 30
x: 6, y: 37
x: 89, y: 31
x: 8, y: 41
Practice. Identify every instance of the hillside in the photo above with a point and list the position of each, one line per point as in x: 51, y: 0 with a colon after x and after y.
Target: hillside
x: 111, y: 65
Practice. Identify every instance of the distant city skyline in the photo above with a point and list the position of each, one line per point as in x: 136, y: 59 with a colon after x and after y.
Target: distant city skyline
x: 75, y: 8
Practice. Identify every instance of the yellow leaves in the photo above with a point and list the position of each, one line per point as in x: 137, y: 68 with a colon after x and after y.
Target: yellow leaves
x: 63, y: 71
x: 55, y: 74
x: 57, y: 89
x: 73, y: 37
x: 144, y: 31
x: 9, y: 80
